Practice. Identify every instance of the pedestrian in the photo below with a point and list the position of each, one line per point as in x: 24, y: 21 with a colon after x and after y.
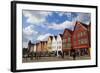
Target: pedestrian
x: 73, y: 54
x: 63, y: 54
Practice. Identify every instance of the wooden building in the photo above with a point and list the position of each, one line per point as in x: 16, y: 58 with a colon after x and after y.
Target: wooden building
x: 49, y: 44
x: 38, y: 47
x: 67, y: 41
x: 54, y: 44
x: 59, y: 44
x: 80, y: 38
x: 43, y: 47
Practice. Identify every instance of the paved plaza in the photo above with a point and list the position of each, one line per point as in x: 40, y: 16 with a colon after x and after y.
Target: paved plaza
x: 46, y: 59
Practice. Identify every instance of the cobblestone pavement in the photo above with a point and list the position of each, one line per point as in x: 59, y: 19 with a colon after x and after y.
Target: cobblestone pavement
x: 46, y: 59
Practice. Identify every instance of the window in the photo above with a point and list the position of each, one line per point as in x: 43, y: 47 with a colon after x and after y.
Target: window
x: 79, y: 41
x: 64, y: 45
x: 82, y: 41
x: 69, y: 39
x: 68, y: 45
x: 64, y: 40
x: 85, y: 41
x: 84, y: 33
x: 81, y: 34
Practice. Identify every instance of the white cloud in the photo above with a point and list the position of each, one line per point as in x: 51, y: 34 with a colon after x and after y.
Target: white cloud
x: 46, y: 13
x: 29, y: 30
x: 68, y: 14
x: 60, y: 13
x: 33, y: 17
x: 27, y: 13
x: 44, y: 37
x: 84, y: 17
x: 36, y: 17
x: 28, y: 34
x: 66, y: 24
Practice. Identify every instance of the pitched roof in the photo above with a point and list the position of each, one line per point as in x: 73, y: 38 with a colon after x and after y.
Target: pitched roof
x: 84, y: 25
x: 60, y: 35
x: 51, y: 37
x: 32, y: 44
x: 43, y: 42
x: 55, y: 37
x: 29, y: 43
x: 70, y: 31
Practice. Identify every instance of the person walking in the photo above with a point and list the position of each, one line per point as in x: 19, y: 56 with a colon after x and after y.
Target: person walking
x: 73, y: 54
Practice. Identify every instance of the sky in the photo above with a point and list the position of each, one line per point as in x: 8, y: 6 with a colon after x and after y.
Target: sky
x: 38, y: 25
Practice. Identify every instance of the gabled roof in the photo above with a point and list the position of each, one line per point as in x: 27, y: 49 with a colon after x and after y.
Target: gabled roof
x: 70, y: 31
x: 32, y: 44
x: 37, y: 43
x: 29, y: 43
x: 51, y: 37
x: 55, y: 37
x: 60, y: 35
x: 43, y: 42
x: 84, y: 25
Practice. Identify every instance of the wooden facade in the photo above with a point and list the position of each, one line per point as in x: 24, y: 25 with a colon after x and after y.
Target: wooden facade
x: 43, y: 46
x: 80, y: 38
x: 59, y: 44
x: 67, y: 41
x: 54, y: 44
x: 49, y: 44
x: 38, y: 47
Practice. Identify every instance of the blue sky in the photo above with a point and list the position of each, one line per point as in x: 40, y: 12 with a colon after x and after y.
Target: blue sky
x: 38, y: 25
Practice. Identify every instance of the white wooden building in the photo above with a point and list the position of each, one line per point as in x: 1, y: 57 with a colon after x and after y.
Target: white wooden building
x: 59, y: 44
x: 54, y: 44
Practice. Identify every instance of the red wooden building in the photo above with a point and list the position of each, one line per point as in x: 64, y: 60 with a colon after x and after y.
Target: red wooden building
x: 67, y: 41
x: 81, y: 38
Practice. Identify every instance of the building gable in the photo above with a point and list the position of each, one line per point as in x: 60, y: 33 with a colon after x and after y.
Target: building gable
x: 80, y: 25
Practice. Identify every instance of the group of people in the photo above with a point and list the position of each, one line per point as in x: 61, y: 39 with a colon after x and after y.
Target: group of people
x: 38, y: 55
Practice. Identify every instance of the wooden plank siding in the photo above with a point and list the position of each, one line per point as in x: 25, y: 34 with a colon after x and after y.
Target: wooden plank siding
x: 49, y: 44
x: 43, y: 46
x: 81, y: 39
x: 67, y: 41
x: 80, y: 36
